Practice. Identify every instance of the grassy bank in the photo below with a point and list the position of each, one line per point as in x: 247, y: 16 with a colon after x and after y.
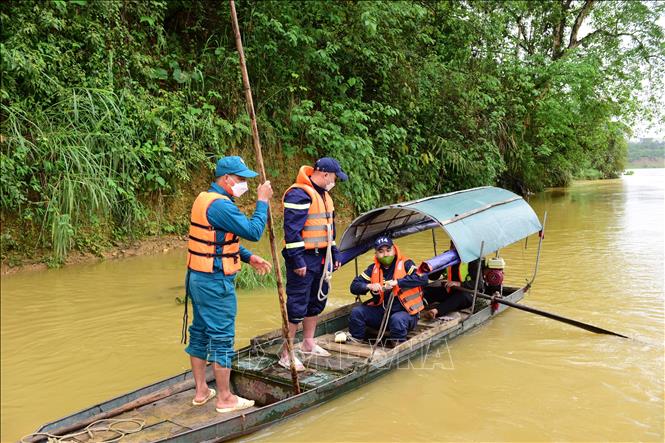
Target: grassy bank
x: 163, y: 227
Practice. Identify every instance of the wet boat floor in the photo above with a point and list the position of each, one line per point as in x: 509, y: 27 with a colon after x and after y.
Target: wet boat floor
x: 175, y: 414
x: 344, y: 358
x: 169, y: 416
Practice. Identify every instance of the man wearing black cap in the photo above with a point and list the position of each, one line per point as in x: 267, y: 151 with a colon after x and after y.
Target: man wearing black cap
x: 309, y: 250
x: 213, y: 258
x: 388, y: 275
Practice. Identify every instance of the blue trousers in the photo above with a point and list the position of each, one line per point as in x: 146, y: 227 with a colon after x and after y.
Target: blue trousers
x: 399, y: 323
x: 212, y: 332
x: 302, y: 292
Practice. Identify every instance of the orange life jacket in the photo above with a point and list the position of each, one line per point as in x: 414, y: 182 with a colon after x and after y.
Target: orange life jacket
x: 460, y: 275
x: 203, y: 239
x: 319, y: 214
x: 411, y: 299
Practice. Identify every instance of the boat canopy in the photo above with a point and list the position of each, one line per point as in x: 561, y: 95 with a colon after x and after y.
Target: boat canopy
x: 487, y: 214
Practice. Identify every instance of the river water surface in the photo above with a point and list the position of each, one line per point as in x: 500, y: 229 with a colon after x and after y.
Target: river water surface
x: 80, y: 335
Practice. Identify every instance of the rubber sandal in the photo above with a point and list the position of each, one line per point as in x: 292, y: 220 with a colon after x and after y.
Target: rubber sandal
x: 243, y: 403
x: 211, y: 394
x: 317, y: 351
x: 357, y: 341
x: 286, y: 364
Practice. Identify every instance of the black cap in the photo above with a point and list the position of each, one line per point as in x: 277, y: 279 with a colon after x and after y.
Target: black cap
x: 382, y: 240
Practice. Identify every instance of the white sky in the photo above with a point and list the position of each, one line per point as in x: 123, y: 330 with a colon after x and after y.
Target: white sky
x: 645, y: 129
x: 642, y: 128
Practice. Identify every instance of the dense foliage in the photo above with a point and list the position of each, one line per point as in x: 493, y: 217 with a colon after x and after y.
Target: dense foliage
x: 646, y: 153
x: 111, y: 107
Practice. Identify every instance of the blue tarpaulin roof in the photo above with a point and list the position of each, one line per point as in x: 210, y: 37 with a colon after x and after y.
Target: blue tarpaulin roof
x: 492, y: 215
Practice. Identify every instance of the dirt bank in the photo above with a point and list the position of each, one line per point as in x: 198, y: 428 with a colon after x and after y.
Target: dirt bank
x: 344, y: 213
x: 148, y: 246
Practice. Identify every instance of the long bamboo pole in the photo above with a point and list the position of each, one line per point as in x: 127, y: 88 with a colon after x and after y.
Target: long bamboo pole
x: 259, y: 160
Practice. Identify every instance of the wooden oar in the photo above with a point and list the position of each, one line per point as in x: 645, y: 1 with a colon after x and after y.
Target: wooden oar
x: 259, y: 160
x: 570, y: 321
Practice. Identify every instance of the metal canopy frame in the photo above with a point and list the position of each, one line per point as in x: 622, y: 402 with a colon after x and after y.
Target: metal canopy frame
x: 486, y: 214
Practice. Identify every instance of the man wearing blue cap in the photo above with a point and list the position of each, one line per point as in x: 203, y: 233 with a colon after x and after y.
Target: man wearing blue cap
x: 309, y: 250
x: 388, y: 275
x: 213, y: 259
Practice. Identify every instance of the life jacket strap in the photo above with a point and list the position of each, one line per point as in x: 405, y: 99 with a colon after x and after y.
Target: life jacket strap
x: 235, y: 255
x: 198, y: 225
x: 234, y: 240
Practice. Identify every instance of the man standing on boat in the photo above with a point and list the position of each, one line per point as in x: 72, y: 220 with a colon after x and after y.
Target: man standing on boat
x: 213, y: 259
x: 388, y: 274
x: 309, y: 250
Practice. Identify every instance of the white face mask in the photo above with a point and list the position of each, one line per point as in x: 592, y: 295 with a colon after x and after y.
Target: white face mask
x: 329, y: 186
x: 239, y: 188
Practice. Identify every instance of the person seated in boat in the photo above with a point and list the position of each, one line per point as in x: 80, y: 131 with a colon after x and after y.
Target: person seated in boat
x: 383, y: 278
x: 448, y: 297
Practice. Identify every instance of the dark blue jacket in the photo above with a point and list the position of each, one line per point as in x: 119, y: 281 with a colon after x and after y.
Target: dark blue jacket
x: 359, y: 284
x: 294, y: 221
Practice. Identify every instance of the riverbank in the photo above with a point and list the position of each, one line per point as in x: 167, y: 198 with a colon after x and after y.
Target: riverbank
x: 26, y: 245
x: 148, y: 246
x: 151, y: 245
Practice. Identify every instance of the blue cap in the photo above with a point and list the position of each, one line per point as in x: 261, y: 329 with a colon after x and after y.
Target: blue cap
x: 382, y: 240
x: 233, y: 165
x: 329, y: 164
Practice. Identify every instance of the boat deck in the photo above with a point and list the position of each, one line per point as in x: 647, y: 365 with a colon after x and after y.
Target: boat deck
x: 344, y: 357
x: 256, y: 375
x: 167, y: 417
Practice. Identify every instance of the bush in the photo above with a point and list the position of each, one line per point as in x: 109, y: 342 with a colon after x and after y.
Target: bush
x: 111, y: 109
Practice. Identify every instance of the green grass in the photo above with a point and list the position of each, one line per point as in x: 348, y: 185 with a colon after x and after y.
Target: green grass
x: 248, y: 279
x: 77, y: 157
x: 590, y: 174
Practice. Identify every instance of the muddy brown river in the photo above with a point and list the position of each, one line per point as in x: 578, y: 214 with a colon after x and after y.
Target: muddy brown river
x: 77, y: 336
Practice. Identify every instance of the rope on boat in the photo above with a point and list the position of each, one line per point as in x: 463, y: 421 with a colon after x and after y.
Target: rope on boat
x: 326, y: 276
x: 355, y: 262
x: 384, y: 323
x: 90, y: 430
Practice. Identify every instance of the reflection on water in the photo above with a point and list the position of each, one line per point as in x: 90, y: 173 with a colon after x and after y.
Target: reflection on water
x: 80, y: 335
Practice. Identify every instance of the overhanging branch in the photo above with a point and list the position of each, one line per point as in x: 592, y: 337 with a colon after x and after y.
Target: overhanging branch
x: 584, y: 12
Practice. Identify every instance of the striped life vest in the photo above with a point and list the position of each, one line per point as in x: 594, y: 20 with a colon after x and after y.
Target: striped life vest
x: 411, y: 299
x: 459, y: 272
x: 203, y: 239
x: 319, y: 213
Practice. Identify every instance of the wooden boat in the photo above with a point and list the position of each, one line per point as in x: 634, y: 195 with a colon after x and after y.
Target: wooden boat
x: 165, y: 409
